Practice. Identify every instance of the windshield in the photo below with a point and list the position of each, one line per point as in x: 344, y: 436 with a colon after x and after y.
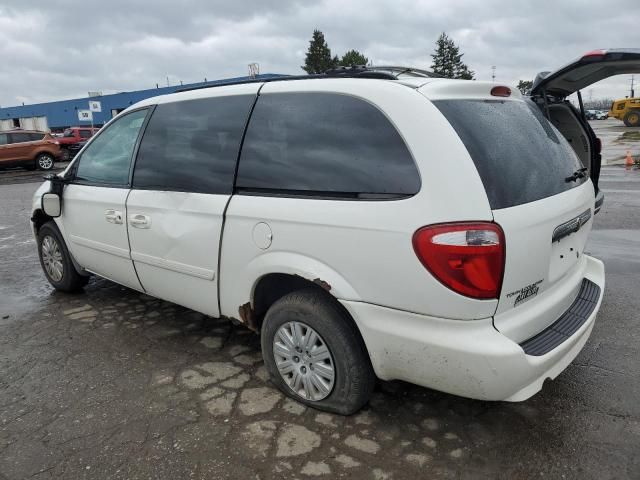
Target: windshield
x: 519, y: 155
x: 68, y: 133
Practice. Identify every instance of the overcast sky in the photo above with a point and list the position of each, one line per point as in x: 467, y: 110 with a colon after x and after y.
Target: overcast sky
x: 51, y: 50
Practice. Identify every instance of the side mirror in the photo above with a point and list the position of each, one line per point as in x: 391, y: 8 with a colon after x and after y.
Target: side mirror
x: 51, y: 204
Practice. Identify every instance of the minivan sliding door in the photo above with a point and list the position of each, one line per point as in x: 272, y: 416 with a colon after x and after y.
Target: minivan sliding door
x: 182, y: 181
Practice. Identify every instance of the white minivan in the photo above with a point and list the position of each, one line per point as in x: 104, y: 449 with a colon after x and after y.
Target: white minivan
x: 367, y: 223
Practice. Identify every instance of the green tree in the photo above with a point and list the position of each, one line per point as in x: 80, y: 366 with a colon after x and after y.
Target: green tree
x: 353, y: 57
x: 447, y: 60
x: 318, y: 58
x: 525, y: 86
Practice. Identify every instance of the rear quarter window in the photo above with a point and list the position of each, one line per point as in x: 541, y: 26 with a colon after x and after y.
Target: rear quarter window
x: 520, y: 156
x: 324, y: 144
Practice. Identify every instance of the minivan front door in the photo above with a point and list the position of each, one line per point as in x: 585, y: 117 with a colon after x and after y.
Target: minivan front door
x: 182, y: 182
x: 94, y: 202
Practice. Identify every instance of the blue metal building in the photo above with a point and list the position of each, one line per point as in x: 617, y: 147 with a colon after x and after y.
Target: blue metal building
x: 61, y: 114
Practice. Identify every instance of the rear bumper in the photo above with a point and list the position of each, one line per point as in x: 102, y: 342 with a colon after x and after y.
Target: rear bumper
x: 467, y: 358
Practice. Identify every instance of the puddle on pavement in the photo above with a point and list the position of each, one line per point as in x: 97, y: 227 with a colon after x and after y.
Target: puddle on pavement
x: 632, y: 136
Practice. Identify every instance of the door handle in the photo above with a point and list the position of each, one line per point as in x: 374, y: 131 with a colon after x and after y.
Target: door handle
x: 113, y: 216
x: 139, y: 220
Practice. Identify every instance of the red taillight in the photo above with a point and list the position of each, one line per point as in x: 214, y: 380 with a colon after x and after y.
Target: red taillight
x: 466, y: 257
x: 501, y: 91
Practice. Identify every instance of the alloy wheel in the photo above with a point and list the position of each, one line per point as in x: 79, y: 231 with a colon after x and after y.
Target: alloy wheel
x: 52, y: 258
x: 45, y: 162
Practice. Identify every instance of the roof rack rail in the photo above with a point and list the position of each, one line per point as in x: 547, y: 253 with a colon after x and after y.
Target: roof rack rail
x: 409, y: 71
x: 359, y: 71
x: 354, y: 71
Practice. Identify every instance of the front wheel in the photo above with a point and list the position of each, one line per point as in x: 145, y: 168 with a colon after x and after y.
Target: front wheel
x: 632, y: 118
x: 56, y: 261
x: 45, y: 161
x: 314, y: 353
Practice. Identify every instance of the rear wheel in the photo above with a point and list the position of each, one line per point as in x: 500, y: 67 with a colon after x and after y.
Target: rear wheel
x: 632, y: 118
x: 314, y: 353
x: 45, y: 161
x: 56, y: 261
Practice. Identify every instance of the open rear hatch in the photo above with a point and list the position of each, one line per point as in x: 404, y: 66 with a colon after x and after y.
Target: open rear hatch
x: 540, y: 196
x: 592, y: 67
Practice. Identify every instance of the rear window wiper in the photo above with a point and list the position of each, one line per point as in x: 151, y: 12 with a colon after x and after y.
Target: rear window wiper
x: 580, y: 173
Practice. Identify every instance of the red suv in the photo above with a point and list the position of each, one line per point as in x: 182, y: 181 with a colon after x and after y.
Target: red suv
x: 74, y: 135
x: 29, y: 149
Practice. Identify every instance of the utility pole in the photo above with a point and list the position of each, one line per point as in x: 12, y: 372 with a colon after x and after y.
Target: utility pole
x: 493, y: 73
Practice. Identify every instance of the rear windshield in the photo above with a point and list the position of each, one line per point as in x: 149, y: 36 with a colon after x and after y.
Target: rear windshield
x: 519, y: 155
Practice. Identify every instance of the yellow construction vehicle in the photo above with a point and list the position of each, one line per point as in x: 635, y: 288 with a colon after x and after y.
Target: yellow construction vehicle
x: 627, y: 110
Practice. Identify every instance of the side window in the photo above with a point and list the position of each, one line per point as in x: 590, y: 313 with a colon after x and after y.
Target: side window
x: 84, y: 134
x: 192, y: 145
x: 324, y: 144
x: 36, y: 136
x: 4, y: 139
x: 20, y: 138
x: 107, y: 159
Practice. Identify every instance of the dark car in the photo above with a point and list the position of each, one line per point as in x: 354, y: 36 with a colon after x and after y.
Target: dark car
x: 73, y: 149
x: 29, y: 149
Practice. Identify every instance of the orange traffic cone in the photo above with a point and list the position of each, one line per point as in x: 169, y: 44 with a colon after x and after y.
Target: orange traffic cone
x: 628, y: 162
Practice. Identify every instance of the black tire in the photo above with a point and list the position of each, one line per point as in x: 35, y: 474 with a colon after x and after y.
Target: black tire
x: 354, y: 377
x: 632, y: 118
x: 70, y: 280
x: 45, y: 161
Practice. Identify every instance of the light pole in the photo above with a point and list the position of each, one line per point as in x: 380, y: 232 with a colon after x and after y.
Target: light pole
x: 493, y: 73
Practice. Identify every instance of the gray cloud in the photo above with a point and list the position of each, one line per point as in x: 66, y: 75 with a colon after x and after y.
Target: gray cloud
x: 64, y: 49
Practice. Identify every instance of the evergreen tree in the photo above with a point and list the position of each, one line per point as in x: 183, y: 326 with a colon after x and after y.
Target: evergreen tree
x: 447, y: 60
x: 353, y: 57
x: 525, y: 86
x: 318, y: 58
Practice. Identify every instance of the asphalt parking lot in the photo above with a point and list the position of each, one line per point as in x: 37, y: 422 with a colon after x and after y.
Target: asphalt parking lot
x: 616, y: 140
x: 110, y: 383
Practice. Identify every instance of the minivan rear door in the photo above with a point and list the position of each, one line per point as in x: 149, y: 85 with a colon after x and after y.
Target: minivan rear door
x: 540, y: 197
x: 590, y: 68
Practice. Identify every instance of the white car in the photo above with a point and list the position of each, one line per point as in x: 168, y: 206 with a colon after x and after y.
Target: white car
x: 366, y: 224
